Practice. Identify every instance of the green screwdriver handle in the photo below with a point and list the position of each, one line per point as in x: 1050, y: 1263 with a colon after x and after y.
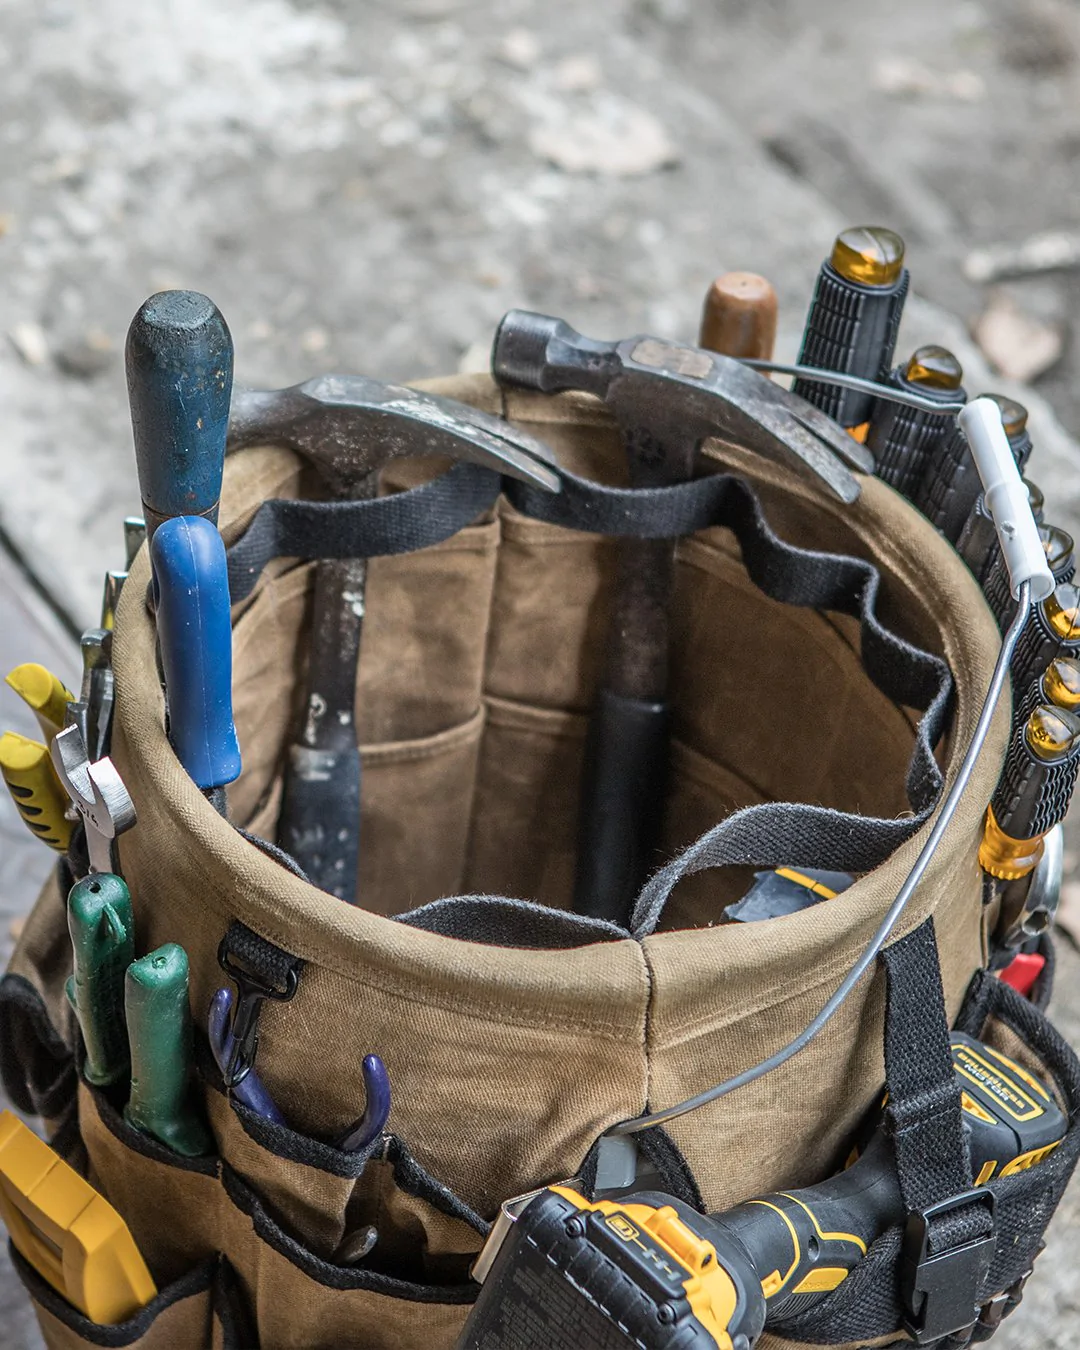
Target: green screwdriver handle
x: 159, y: 1029
x: 103, y: 945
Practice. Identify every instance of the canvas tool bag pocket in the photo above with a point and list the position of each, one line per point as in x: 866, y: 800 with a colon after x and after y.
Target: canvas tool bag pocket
x: 829, y: 663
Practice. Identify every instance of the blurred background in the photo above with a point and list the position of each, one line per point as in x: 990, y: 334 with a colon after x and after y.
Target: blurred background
x: 368, y: 186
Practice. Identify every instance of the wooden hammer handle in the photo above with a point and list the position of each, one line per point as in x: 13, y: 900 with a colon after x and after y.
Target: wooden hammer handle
x: 739, y: 317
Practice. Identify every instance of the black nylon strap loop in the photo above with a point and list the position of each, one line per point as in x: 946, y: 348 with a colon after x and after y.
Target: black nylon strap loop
x: 269, y: 963
x: 923, y: 1113
x: 400, y: 523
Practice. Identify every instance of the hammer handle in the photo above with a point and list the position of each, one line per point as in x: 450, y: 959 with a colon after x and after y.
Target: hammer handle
x: 623, y: 791
x: 638, y: 641
x: 319, y: 823
x: 739, y: 317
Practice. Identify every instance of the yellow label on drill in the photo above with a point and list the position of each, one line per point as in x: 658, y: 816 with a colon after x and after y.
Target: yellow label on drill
x: 622, y: 1227
x: 1011, y: 1098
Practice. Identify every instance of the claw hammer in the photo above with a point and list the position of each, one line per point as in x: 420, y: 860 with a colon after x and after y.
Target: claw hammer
x: 667, y: 398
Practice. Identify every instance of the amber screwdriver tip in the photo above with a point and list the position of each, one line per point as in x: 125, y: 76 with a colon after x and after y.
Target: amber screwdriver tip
x: 868, y: 254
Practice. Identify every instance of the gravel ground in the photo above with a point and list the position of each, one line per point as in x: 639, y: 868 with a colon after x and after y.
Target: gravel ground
x: 369, y: 186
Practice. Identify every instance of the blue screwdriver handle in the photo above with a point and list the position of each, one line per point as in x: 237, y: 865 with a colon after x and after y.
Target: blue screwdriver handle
x: 179, y: 371
x: 191, y: 594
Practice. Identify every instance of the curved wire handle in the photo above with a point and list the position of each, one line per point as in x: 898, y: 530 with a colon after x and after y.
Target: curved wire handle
x: 816, y: 375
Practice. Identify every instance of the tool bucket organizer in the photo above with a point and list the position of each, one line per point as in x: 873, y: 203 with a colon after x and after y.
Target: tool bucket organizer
x: 829, y: 664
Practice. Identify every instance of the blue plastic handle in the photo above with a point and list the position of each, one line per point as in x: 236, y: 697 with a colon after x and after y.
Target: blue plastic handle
x: 179, y: 372
x: 191, y: 592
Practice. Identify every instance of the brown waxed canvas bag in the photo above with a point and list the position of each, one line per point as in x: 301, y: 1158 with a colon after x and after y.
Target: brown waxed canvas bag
x: 480, y: 660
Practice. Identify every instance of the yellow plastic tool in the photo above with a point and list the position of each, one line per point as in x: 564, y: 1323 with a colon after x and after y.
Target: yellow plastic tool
x: 43, y: 691
x: 67, y: 1231
x: 31, y: 779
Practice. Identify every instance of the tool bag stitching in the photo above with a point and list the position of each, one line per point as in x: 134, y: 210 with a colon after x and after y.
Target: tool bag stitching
x: 414, y: 1179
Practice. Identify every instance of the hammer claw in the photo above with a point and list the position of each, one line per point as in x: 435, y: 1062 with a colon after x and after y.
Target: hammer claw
x: 790, y: 440
x: 851, y: 451
x: 348, y: 426
x: 779, y: 425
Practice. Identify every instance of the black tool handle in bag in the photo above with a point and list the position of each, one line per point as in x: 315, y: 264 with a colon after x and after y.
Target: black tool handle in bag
x: 626, y: 758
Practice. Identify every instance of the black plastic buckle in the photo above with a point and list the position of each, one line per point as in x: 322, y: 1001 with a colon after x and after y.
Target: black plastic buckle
x: 943, y: 1292
x: 251, y: 994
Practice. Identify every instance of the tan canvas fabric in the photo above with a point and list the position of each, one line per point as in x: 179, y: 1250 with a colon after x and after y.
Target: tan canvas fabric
x: 185, y: 1323
x: 480, y: 659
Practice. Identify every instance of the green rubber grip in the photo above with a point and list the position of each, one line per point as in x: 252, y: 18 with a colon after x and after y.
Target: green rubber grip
x: 159, y: 1031
x: 102, y: 939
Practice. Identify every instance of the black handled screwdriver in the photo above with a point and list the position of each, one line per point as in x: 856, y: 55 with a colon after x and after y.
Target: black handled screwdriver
x: 903, y: 439
x: 951, y: 487
x: 1059, y: 548
x: 1033, y: 793
x: 1052, y: 629
x: 978, y: 543
x: 853, y: 320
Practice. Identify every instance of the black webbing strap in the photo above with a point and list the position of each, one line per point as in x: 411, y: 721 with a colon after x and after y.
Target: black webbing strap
x: 400, y: 523
x: 949, y: 1240
x: 923, y: 1112
x: 770, y: 834
x: 267, y: 962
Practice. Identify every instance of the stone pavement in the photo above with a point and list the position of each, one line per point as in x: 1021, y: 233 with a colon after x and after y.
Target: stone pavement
x: 368, y: 184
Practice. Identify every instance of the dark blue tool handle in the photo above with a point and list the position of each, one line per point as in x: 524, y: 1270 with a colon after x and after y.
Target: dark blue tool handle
x: 376, y: 1108
x: 179, y: 371
x: 191, y: 594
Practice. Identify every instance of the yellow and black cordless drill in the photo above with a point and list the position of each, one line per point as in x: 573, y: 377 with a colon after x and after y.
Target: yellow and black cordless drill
x: 650, y: 1272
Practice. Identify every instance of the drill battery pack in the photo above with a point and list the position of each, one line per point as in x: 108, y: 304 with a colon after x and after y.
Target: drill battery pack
x: 606, y: 1276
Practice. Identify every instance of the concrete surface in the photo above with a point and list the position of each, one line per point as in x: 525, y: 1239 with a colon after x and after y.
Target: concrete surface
x: 368, y: 186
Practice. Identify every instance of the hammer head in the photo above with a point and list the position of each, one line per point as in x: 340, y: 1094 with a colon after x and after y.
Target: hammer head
x: 349, y: 426
x: 677, y: 396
